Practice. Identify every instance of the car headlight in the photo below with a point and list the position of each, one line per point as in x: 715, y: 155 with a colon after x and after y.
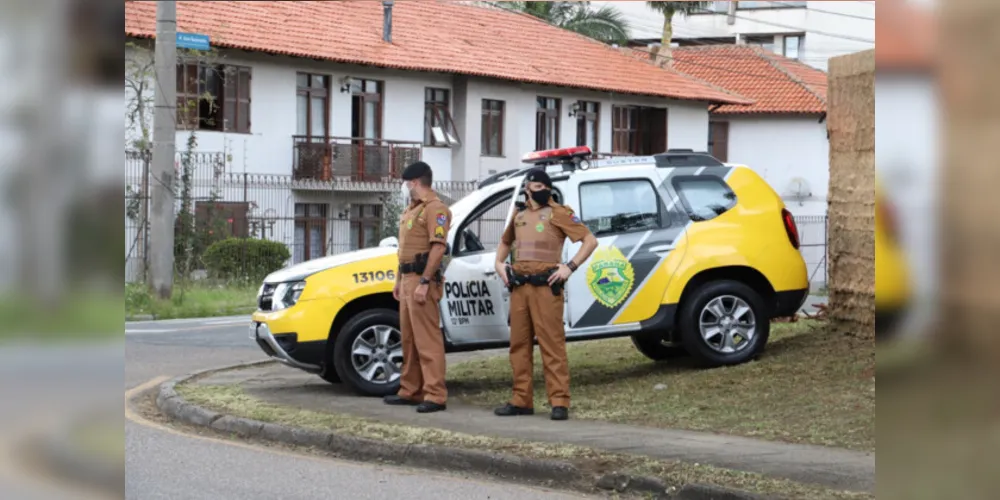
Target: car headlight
x: 286, y: 295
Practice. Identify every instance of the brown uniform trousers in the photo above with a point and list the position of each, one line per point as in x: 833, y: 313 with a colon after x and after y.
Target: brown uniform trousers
x: 425, y: 222
x: 536, y: 237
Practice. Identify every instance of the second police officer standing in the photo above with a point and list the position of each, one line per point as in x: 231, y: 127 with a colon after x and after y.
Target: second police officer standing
x: 534, y: 240
x: 423, y: 233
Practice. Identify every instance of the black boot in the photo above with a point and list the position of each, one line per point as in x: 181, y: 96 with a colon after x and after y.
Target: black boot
x: 430, y: 407
x: 560, y: 413
x: 509, y: 410
x: 398, y: 401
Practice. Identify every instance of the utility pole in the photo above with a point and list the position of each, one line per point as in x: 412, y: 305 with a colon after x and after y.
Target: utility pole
x: 161, y: 217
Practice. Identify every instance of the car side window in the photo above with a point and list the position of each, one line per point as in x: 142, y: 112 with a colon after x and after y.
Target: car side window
x: 619, y: 206
x: 482, y: 231
x: 704, y: 197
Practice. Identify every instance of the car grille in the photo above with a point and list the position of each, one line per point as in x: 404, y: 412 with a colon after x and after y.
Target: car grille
x: 266, y: 296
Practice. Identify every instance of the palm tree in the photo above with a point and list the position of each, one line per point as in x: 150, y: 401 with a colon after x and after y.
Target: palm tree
x: 605, y: 24
x: 668, y: 9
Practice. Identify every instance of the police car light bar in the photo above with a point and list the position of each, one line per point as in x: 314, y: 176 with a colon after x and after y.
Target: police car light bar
x: 554, y: 155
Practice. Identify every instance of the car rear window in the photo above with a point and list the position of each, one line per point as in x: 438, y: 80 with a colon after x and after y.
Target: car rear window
x: 705, y: 197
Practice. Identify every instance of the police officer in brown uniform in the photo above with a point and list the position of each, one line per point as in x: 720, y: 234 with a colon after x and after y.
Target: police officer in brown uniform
x: 536, y: 236
x: 423, y: 233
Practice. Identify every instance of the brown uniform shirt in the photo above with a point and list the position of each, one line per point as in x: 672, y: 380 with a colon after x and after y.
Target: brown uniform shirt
x: 536, y: 236
x: 425, y: 222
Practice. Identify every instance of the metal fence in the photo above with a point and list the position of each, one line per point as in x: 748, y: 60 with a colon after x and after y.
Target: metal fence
x: 812, y: 246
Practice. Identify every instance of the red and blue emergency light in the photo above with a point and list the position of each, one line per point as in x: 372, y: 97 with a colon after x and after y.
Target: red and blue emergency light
x: 556, y: 155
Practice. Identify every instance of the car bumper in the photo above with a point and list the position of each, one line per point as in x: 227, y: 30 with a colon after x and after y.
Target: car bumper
x: 789, y: 303
x: 278, y: 347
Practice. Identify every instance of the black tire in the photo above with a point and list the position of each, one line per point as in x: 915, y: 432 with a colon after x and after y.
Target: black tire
x: 329, y: 372
x: 653, y: 347
x: 342, y: 356
x: 690, y: 313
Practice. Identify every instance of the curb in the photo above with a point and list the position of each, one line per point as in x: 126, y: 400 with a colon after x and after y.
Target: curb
x: 552, y: 473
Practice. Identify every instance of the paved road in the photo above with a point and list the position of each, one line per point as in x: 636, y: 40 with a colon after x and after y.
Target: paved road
x: 162, y: 463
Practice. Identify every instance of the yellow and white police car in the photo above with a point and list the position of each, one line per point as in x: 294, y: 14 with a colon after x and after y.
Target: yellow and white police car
x: 694, y: 256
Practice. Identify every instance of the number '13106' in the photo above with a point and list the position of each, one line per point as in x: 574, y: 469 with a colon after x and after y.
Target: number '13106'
x: 374, y: 276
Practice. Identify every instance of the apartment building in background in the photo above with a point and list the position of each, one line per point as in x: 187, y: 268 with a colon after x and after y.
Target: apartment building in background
x: 808, y: 31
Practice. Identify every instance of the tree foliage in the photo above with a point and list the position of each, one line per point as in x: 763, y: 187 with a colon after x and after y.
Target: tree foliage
x: 605, y: 24
x: 662, y: 56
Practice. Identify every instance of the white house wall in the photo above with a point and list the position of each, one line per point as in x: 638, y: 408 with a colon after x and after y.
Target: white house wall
x: 784, y: 150
x: 687, y: 122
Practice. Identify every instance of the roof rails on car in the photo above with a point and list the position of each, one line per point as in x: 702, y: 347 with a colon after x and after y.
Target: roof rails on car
x: 582, y: 158
x: 686, y: 158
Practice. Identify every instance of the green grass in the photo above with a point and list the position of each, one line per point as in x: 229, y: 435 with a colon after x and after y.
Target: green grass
x: 80, y: 316
x: 812, y: 385
x: 232, y: 400
x: 191, y: 301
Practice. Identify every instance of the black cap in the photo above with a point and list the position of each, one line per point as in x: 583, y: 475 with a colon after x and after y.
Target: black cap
x: 539, y: 175
x: 416, y: 171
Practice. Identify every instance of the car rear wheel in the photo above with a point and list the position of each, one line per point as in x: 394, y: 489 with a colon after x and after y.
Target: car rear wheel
x: 724, y: 323
x: 368, y: 353
x: 654, y: 347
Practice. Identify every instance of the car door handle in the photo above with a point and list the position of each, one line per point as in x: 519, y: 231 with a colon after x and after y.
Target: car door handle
x: 489, y: 273
x: 661, y: 248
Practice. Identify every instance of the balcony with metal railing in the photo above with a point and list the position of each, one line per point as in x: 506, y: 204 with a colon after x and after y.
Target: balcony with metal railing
x: 347, y: 162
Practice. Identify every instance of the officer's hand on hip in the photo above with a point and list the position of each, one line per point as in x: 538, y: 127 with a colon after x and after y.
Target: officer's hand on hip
x: 420, y: 294
x: 561, y: 274
x: 501, y: 269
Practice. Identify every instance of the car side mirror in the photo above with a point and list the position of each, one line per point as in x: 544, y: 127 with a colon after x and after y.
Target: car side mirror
x: 389, y: 242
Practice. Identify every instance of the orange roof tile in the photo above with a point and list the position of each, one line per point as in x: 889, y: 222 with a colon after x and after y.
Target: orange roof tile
x: 905, y: 35
x: 775, y: 83
x: 430, y: 35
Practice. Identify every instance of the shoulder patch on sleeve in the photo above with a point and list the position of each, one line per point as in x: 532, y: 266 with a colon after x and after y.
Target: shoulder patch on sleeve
x: 442, y: 218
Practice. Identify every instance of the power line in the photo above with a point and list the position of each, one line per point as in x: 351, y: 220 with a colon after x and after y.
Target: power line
x: 832, y: 13
x: 786, y: 26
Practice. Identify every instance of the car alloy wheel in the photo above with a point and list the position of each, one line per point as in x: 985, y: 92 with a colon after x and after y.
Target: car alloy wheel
x: 727, y: 324
x: 377, y: 354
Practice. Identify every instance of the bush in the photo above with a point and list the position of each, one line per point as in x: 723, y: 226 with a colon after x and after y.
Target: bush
x: 244, y: 259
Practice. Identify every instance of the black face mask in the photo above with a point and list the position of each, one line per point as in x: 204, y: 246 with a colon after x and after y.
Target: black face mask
x: 541, y: 197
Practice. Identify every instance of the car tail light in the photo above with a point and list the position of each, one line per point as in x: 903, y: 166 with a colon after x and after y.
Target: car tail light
x: 790, y: 227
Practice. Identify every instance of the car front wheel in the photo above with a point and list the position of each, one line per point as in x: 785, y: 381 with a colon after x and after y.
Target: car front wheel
x: 724, y: 323
x: 368, y: 353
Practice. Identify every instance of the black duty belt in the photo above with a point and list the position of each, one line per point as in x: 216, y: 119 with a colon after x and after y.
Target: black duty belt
x: 413, y: 267
x: 418, y: 267
x: 539, y: 279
